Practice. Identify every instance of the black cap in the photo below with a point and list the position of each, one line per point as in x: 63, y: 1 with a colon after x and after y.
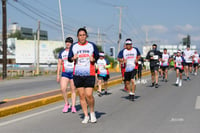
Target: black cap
x: 154, y: 45
x: 165, y: 49
x: 69, y: 39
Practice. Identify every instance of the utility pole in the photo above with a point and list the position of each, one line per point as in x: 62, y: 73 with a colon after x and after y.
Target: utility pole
x: 61, y: 21
x: 4, y: 38
x: 38, y: 50
x: 120, y: 28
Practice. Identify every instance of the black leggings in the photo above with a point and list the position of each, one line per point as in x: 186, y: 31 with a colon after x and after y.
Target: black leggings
x: 139, y: 72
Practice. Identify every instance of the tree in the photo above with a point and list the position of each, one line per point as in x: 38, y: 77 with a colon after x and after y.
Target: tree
x: 17, y: 35
x: 57, y: 51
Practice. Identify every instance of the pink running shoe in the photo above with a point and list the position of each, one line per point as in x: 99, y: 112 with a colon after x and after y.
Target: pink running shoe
x: 73, y: 109
x: 65, y: 109
x: 125, y: 89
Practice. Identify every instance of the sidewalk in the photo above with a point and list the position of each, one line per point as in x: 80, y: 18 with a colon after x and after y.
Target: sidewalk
x: 17, y: 105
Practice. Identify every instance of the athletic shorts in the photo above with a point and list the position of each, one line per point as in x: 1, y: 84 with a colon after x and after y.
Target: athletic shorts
x: 129, y: 75
x: 67, y: 75
x: 84, y: 81
x: 180, y: 70
x: 195, y: 64
x: 164, y: 68
x: 154, y: 68
x: 188, y: 64
x: 103, y: 78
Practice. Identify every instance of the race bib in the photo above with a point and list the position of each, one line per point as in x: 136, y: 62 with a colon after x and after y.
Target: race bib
x: 68, y: 64
x: 139, y: 62
x: 155, y: 57
x: 130, y: 62
x: 83, y: 61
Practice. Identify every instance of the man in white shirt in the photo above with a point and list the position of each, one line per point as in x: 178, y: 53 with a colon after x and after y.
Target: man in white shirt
x: 188, y: 54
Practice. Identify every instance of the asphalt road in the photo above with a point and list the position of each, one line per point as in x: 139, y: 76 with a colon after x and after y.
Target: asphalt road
x: 26, y: 86
x: 167, y: 109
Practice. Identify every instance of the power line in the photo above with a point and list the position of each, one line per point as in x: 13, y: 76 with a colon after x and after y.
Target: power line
x: 23, y: 12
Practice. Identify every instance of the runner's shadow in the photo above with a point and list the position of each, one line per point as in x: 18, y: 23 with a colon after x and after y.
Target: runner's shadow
x: 98, y: 114
x: 108, y: 93
x: 174, y: 84
x: 127, y: 97
x: 2, y: 102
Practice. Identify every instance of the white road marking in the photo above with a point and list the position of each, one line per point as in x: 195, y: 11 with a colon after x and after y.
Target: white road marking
x: 197, y: 105
x: 177, y: 120
x: 29, y: 116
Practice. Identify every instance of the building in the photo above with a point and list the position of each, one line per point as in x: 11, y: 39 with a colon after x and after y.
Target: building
x: 26, y: 32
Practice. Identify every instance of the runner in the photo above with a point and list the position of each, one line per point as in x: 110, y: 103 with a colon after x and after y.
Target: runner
x: 67, y: 76
x: 165, y: 64
x: 123, y: 66
x: 195, y: 62
x: 179, y: 67
x: 103, y: 73
x: 139, y: 71
x: 84, y: 53
x: 154, y: 56
x: 130, y: 56
x: 188, y: 54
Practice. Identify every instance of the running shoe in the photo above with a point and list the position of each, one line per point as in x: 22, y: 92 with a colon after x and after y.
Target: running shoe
x: 188, y: 78
x: 156, y: 85
x: 85, y: 120
x: 177, y: 82
x: 93, y: 118
x: 66, y: 107
x: 132, y: 97
x: 125, y: 89
x: 105, y: 92
x: 166, y: 80
x: 99, y: 94
x: 152, y: 85
x: 73, y: 109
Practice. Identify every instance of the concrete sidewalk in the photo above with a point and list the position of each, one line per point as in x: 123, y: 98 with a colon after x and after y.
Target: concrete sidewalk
x: 21, y: 104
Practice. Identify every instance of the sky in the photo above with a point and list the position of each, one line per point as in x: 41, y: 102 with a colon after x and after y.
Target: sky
x: 156, y: 21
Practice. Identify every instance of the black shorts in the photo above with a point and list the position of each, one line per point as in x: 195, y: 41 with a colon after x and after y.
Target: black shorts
x: 154, y: 68
x: 180, y: 70
x: 84, y: 81
x: 195, y: 64
x: 164, y: 68
x: 188, y: 64
x: 129, y: 75
x: 103, y: 78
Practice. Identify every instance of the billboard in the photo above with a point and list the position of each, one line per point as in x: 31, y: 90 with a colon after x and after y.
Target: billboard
x: 10, y: 48
x: 26, y: 51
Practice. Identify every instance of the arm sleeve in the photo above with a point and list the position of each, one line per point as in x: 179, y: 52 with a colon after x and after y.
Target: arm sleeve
x: 59, y: 55
x: 148, y: 55
x: 96, y: 52
x: 138, y: 52
x: 71, y: 54
x: 120, y: 55
x: 183, y: 59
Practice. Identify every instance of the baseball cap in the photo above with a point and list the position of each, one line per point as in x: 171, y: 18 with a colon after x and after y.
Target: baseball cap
x: 69, y: 39
x: 101, y: 54
x: 179, y: 51
x: 128, y: 41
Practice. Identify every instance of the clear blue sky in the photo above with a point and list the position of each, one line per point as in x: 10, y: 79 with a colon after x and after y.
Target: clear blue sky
x: 166, y: 21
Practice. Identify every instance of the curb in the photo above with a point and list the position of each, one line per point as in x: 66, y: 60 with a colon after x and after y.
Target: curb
x: 47, y: 100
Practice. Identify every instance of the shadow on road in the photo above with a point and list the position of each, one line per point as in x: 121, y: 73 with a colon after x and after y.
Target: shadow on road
x: 2, y: 102
x: 127, y: 97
